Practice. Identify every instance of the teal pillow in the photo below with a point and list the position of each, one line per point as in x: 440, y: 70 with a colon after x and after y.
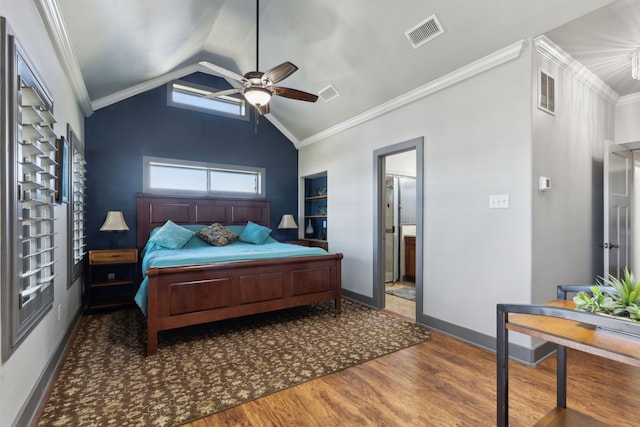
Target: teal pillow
x: 170, y: 236
x: 254, y: 233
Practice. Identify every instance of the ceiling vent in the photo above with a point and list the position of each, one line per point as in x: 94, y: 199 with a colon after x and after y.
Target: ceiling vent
x: 328, y: 93
x: 427, y: 30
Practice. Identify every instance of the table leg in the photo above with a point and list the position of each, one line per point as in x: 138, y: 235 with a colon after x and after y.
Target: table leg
x: 502, y: 360
x: 561, y: 376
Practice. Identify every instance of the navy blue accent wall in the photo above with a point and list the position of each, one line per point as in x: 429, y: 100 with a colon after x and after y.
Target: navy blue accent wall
x: 118, y: 136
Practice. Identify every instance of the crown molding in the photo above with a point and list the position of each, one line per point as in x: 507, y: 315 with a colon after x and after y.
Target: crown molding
x: 634, y: 98
x: 52, y: 17
x: 154, y: 83
x: 278, y: 125
x: 495, y: 59
x: 145, y: 86
x: 555, y: 54
x: 176, y: 74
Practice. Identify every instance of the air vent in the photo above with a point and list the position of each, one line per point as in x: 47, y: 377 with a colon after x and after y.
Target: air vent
x: 328, y: 93
x: 427, y: 30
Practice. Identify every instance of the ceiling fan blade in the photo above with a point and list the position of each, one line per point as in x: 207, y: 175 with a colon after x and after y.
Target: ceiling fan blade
x: 280, y: 72
x: 222, y: 71
x: 294, y: 94
x: 263, y: 109
x: 223, y: 93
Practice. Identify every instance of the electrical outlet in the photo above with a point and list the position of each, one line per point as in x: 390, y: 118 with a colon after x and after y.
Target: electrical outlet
x: 59, y: 311
x: 111, y: 276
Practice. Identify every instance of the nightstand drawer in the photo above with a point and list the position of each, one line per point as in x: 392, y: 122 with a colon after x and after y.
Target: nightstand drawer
x: 113, y: 256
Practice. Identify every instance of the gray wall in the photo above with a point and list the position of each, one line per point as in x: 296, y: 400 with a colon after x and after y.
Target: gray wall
x: 482, y: 138
x: 568, y: 147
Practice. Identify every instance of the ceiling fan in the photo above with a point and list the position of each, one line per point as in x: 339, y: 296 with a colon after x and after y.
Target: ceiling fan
x: 258, y: 87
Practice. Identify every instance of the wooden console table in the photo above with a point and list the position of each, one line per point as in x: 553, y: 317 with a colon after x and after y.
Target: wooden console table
x: 559, y: 322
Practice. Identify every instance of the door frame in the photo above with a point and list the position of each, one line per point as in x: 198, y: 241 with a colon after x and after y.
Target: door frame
x: 625, y: 151
x: 379, y: 175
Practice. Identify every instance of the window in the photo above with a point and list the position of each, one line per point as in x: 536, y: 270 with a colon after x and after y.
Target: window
x: 28, y: 220
x: 76, y: 227
x: 192, y: 96
x: 181, y: 176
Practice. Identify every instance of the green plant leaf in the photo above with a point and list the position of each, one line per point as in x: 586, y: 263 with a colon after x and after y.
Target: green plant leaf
x: 634, y: 312
x: 622, y: 300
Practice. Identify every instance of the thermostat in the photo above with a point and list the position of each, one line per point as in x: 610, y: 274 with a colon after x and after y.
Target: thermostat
x: 545, y: 183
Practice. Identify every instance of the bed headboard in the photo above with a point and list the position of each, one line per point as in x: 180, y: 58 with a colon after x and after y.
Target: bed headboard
x: 154, y: 210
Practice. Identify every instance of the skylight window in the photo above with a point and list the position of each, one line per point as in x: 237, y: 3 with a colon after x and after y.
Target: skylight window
x: 182, y: 94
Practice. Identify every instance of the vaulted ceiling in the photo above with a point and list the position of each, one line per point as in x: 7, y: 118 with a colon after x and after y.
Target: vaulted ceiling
x: 117, y: 48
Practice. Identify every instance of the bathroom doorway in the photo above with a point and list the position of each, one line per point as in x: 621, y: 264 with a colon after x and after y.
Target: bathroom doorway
x: 397, y: 261
x: 400, y: 233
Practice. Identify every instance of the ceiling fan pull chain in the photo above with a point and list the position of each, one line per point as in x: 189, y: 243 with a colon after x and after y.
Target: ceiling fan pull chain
x: 256, y: 120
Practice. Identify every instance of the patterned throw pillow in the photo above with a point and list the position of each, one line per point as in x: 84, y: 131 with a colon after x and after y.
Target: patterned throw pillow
x: 217, y: 235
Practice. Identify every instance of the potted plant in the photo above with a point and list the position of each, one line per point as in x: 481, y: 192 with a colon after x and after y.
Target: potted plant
x: 615, y: 297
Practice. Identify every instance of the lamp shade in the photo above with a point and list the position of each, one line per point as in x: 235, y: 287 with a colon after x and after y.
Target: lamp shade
x: 114, y: 222
x: 257, y: 96
x: 287, y: 221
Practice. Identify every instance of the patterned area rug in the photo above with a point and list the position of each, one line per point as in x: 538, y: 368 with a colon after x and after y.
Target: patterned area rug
x: 406, y: 293
x: 200, y: 370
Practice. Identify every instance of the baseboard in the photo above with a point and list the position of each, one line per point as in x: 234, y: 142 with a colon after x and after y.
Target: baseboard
x: 517, y: 352
x: 30, y: 408
x: 368, y: 301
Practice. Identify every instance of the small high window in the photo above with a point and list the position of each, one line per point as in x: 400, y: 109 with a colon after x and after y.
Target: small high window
x: 182, y: 176
x: 191, y: 96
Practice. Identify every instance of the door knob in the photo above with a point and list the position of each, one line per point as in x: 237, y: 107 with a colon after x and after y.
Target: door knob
x: 609, y: 246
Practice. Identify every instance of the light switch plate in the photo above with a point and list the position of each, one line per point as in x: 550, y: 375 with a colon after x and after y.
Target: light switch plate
x: 499, y: 201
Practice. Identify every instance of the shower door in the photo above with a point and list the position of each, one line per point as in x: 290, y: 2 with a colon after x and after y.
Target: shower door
x: 392, y: 235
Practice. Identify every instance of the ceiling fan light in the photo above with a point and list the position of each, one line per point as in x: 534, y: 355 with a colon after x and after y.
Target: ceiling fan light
x: 257, y: 96
x: 635, y: 65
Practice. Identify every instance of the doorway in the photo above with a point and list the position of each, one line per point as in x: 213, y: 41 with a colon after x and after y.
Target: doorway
x: 400, y: 234
x: 398, y: 199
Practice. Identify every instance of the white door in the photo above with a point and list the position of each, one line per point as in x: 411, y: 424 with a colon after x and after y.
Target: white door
x: 618, y: 169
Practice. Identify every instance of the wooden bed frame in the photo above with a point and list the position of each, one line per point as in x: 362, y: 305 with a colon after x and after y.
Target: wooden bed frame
x: 195, y: 294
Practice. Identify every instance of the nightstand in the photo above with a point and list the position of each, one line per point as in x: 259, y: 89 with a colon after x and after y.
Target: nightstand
x: 299, y: 242
x: 112, y: 278
x: 311, y: 242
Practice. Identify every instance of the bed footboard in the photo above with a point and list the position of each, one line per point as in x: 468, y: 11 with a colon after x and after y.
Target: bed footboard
x: 191, y: 295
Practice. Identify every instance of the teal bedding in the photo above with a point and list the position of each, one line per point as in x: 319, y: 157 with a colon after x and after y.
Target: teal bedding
x: 197, y: 251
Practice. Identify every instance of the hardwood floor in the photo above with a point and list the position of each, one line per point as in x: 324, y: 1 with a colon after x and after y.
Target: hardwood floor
x: 400, y: 306
x: 442, y: 382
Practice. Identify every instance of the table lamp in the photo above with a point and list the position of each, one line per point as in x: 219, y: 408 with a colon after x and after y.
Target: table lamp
x: 287, y: 222
x: 114, y: 223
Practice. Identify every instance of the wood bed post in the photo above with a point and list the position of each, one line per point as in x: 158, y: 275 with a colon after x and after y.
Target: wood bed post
x: 152, y: 315
x: 338, y: 282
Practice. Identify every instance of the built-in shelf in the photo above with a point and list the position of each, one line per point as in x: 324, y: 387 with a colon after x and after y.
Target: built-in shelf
x: 315, y: 210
